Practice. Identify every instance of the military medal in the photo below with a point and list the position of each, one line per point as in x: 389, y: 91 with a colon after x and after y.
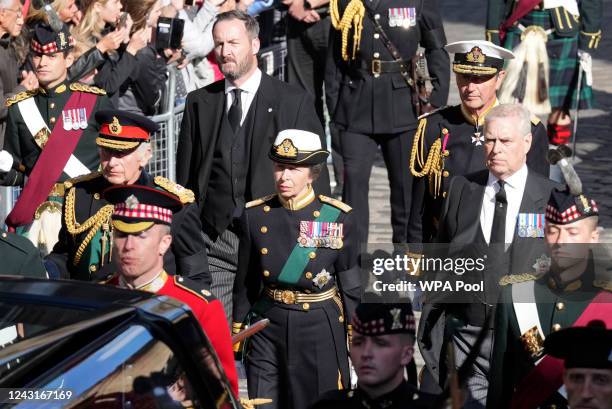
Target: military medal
x: 75, y: 119
x: 320, y: 234
x: 83, y: 114
x: 531, y: 225
x: 477, y: 139
x: 393, y: 18
x: 67, y: 120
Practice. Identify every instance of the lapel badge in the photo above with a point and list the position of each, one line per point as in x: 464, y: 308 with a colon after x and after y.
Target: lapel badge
x: 322, y: 278
x: 542, y: 265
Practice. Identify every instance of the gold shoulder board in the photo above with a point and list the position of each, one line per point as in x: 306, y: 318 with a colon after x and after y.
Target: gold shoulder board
x: 259, y: 201
x: 202, y: 294
x: 77, y: 86
x: 83, y: 178
x: 185, y: 195
x: 516, y: 278
x: 20, y: 97
x: 336, y: 203
x: 604, y: 284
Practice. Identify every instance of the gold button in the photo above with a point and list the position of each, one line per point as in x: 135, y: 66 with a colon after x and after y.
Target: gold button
x: 266, y: 273
x: 264, y: 251
x: 93, y: 268
x: 266, y: 208
x: 52, y: 105
x: 376, y: 35
x: 308, y: 275
x: 376, y: 16
x: 376, y: 55
x: 444, y: 194
x: 306, y: 306
x: 316, y: 213
x: 556, y: 327
x: 263, y: 229
x: 52, y: 119
x: 341, y: 319
x: 312, y: 255
x: 97, y: 196
x: 445, y: 173
x: 560, y: 306
x: 446, y: 153
x: 3, y: 234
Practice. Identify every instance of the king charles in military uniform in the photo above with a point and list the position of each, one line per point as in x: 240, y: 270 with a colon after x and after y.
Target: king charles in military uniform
x: 449, y: 141
x: 372, y: 96
x: 567, y: 288
x: 298, y: 267
x: 50, y: 137
x: 141, y: 220
x: 85, y: 240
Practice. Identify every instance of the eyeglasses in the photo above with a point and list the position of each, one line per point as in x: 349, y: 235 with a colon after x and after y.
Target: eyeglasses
x: 18, y: 11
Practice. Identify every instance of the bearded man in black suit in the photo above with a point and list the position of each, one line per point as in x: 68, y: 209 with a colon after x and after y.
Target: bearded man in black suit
x: 499, y: 211
x: 227, y: 131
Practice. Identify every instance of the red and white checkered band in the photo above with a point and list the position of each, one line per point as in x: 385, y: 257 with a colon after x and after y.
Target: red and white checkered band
x: 568, y: 215
x: 143, y: 211
x: 377, y: 326
x: 48, y: 48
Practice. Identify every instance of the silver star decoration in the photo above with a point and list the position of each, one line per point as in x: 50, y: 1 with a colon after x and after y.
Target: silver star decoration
x: 477, y: 139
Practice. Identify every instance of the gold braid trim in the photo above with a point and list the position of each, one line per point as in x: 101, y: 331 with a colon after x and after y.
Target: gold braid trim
x: 433, y: 166
x: 352, y: 18
x: 94, y: 223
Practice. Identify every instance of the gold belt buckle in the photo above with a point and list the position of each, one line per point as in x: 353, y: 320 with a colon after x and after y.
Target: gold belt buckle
x: 287, y: 297
x: 376, y: 67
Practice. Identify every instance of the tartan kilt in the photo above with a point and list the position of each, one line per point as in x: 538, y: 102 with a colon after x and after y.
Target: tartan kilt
x: 563, y: 63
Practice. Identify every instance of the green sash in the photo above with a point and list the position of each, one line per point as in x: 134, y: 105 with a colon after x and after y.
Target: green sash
x: 298, y: 259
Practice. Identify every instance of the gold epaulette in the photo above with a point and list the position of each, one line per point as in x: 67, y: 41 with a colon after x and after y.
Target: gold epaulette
x: 516, y: 278
x: 604, y: 284
x: 259, y: 201
x: 83, y: 178
x: 433, y: 165
x: 77, y: 86
x: 202, y: 294
x: 185, y: 195
x: 535, y: 120
x: 20, y: 97
x: 336, y: 203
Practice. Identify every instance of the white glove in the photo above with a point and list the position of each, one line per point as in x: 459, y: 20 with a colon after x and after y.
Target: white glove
x: 6, y: 161
x: 586, y: 64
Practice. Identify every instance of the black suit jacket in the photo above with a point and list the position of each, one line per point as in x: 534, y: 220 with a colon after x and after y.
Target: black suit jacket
x: 460, y: 225
x: 278, y: 106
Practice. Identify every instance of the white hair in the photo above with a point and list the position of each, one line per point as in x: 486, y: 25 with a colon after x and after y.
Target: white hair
x: 520, y: 115
x: 5, y: 4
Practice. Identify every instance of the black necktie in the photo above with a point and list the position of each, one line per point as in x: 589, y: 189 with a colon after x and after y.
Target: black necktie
x: 235, y: 112
x: 498, y: 230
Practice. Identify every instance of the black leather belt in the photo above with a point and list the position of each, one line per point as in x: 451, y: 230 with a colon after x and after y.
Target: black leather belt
x: 377, y: 67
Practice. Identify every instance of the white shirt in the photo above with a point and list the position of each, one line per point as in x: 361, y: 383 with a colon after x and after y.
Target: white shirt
x: 249, y: 89
x: 514, y: 187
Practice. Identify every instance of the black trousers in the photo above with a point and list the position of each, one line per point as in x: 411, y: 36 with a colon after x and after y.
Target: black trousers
x: 298, y: 357
x: 359, y: 153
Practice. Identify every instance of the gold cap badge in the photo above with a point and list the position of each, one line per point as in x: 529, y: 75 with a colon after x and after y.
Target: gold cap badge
x: 115, y: 126
x: 286, y: 149
x: 475, y: 55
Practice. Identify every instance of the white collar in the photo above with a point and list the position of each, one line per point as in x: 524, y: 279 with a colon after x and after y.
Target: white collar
x: 517, y: 179
x: 250, y: 86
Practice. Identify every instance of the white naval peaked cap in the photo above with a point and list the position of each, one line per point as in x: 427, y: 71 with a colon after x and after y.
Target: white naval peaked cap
x: 302, y: 140
x: 488, y: 48
x: 296, y: 146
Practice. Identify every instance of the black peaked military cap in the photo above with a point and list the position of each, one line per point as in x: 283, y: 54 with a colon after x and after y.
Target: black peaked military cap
x: 383, y: 318
x: 298, y: 147
x: 582, y: 347
x: 137, y: 207
x: 46, y: 41
x: 122, y: 130
x: 565, y: 208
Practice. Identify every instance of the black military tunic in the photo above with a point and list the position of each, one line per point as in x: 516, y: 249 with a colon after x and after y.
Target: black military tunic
x: 84, y: 248
x: 454, y: 141
x: 557, y: 307
x: 26, y: 148
x: 402, y: 397
x: 20, y: 257
x: 307, y: 292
